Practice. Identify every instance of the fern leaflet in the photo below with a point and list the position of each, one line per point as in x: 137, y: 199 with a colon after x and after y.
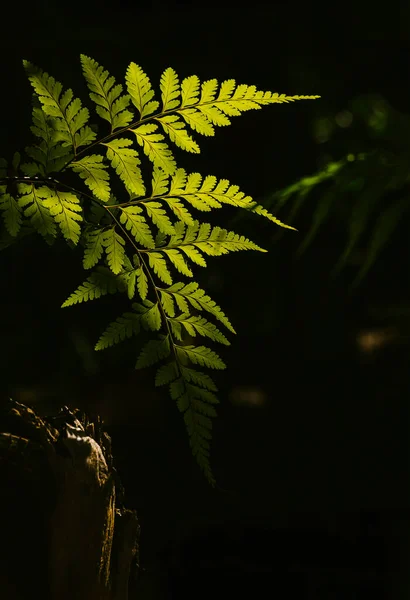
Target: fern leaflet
x: 111, y: 106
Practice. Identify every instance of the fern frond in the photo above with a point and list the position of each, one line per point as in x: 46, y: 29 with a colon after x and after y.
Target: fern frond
x: 198, y: 121
x: 166, y: 373
x: 154, y: 147
x: 135, y: 222
x: 114, y: 248
x: 66, y: 210
x: 140, y: 90
x: 100, y: 283
x: 199, y: 379
x: 168, y: 304
x: 194, y: 324
x: 176, y: 130
x: 159, y: 182
x: 159, y: 217
x: 260, y: 210
x: 11, y: 214
x: 178, y: 261
x: 111, y: 106
x: 93, y: 171
x: 170, y: 92
x: 35, y: 210
x: 159, y: 266
x: 192, y: 294
x: 190, y: 90
x: 202, y: 110
x: 179, y: 210
x: 212, y: 241
x: 49, y: 154
x: 150, y: 315
x: 198, y: 424
x: 142, y: 283
x: 199, y: 355
x: 69, y: 116
x: 153, y: 352
x: 126, y: 163
x: 122, y: 328
x: 94, y: 247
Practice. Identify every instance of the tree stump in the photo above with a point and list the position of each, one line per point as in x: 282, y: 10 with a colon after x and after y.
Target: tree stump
x: 65, y: 533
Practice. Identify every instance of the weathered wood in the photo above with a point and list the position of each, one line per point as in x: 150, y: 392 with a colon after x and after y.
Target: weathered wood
x: 65, y: 527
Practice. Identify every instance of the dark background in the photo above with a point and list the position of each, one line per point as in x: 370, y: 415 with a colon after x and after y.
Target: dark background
x: 310, y: 447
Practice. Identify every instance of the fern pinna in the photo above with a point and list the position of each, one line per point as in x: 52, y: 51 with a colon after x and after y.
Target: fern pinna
x: 143, y: 244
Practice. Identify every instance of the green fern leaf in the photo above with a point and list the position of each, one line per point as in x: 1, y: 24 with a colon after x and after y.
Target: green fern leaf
x: 34, y: 209
x: 233, y: 100
x: 196, y: 324
x: 93, y: 247
x: 142, y: 283
x: 32, y: 169
x: 140, y: 90
x: 67, y: 111
x: 203, y: 408
x: 93, y: 171
x: 178, y: 261
x: 199, y: 355
x: 11, y: 214
x: 215, y: 116
x: 198, y: 121
x: 151, y: 318
x: 176, y: 330
x: 66, y: 210
x: 203, y: 394
x: 170, y: 92
x: 114, y: 248
x: 189, y: 90
x: 126, y: 163
x: 199, y: 436
x: 176, y: 130
x: 194, y: 254
x: 259, y: 210
x: 159, y: 217
x: 153, y: 352
x: 84, y: 136
x: 208, y: 90
x: 154, y: 147
x: 166, y: 373
x: 122, y: 328
x: 131, y: 284
x: 111, y: 106
x: 100, y: 283
x: 198, y: 299
x: 49, y: 155
x: 178, y: 182
x: 198, y: 425
x: 134, y: 221
x: 213, y: 242
x: 168, y: 304
x: 159, y: 182
x: 199, y: 378
x: 180, y: 211
x: 159, y: 266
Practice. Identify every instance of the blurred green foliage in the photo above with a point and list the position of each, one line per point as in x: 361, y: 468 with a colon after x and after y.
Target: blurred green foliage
x: 366, y: 189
